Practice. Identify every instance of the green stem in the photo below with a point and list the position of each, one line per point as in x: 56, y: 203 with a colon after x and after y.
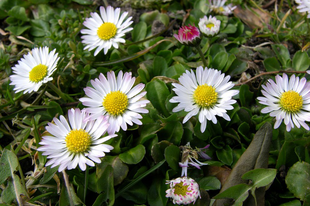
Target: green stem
x: 39, y: 97
x: 23, y: 141
x: 85, y: 183
x: 59, y: 92
x: 202, y: 56
x: 139, y: 178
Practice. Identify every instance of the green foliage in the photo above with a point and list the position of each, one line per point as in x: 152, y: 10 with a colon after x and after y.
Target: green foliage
x: 148, y: 154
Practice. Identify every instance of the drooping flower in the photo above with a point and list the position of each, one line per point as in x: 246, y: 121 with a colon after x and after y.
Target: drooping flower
x: 78, y: 142
x: 219, y: 7
x: 206, y: 94
x: 304, y: 6
x: 288, y: 100
x: 209, y: 26
x: 116, y: 98
x: 106, y: 30
x: 183, y: 190
x: 34, y: 69
x: 188, y: 35
x: 190, y: 158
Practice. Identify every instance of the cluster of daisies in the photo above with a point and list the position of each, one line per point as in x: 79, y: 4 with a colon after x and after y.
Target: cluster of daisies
x: 113, y: 102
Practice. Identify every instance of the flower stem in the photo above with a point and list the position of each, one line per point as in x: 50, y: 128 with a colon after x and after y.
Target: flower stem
x: 59, y: 92
x: 201, y: 56
x: 67, y: 183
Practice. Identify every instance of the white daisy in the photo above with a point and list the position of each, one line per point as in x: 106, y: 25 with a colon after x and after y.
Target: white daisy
x: 116, y: 98
x: 106, y: 30
x: 304, y: 6
x: 34, y: 69
x: 209, y: 26
x: 206, y: 93
x: 219, y: 7
x: 183, y: 190
x: 288, y: 100
x: 78, y: 143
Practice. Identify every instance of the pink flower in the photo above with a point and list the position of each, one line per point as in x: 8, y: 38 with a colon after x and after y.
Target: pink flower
x: 188, y: 35
x: 183, y: 190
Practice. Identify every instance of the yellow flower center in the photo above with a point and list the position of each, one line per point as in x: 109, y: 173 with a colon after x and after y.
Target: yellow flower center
x: 38, y: 73
x: 180, y: 189
x: 106, y: 31
x: 115, y: 103
x: 210, y: 25
x: 291, y: 101
x: 205, y: 96
x: 78, y: 141
x: 221, y: 9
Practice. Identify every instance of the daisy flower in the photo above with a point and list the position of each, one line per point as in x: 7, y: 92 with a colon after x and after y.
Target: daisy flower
x: 206, y: 93
x: 183, y: 190
x: 219, y: 7
x: 209, y: 26
x: 116, y: 98
x: 304, y: 6
x: 288, y: 100
x: 106, y: 30
x: 78, y: 142
x: 188, y: 35
x: 34, y: 69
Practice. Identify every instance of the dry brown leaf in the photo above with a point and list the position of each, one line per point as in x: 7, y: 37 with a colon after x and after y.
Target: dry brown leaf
x: 253, y: 17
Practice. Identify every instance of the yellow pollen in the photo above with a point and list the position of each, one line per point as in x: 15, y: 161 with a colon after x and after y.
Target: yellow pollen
x: 180, y: 189
x: 106, y: 31
x: 115, y: 103
x: 38, y: 73
x: 78, y: 141
x: 291, y: 101
x: 210, y: 25
x: 205, y: 96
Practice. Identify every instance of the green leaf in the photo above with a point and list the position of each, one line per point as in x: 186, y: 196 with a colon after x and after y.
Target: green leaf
x: 48, y: 175
x: 157, y: 193
x: 139, y: 31
x: 237, y: 67
x: 83, y: 2
x: 298, y: 179
x: 13, y: 190
x: 9, y: 164
x: 134, y: 155
x: 175, y: 71
x: 225, y: 155
x: 230, y: 29
x: 301, y: 61
x: 210, y: 183
x: 272, y: 64
x: 292, y: 203
x: 17, y: 30
x: 260, y: 177
x: 159, y: 66
x: 157, y: 93
x: 219, y: 61
x: 39, y: 28
x: 245, y: 95
x: 18, y: 12
x: 238, y: 192
x: 172, y: 156
x: 282, y: 53
x: 158, y: 150
x: 54, y: 108
x: 137, y: 193
x: 172, y: 129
